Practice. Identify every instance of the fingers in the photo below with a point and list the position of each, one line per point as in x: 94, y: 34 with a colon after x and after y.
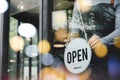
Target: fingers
x: 94, y: 44
x: 93, y: 41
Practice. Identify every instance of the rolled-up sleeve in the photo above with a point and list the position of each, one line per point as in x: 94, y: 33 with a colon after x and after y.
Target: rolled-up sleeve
x: 109, y: 39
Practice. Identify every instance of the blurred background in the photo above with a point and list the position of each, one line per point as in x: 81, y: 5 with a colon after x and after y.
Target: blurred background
x: 27, y: 38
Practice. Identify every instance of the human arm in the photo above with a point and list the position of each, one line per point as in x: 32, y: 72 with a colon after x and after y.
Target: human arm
x: 109, y: 39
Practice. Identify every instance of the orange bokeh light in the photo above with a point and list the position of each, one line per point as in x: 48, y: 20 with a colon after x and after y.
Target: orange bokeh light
x: 16, y: 43
x: 84, y: 5
x: 100, y: 50
x: 50, y: 73
x: 44, y: 46
x: 117, y: 42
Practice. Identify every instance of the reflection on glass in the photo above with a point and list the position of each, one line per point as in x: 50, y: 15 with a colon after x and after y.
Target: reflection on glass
x: 3, y: 6
x: 22, y: 66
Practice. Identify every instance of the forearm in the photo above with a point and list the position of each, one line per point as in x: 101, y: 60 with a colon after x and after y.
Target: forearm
x: 109, y: 39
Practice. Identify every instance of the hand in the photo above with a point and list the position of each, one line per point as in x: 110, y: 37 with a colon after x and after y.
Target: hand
x: 99, y: 48
x: 93, y: 41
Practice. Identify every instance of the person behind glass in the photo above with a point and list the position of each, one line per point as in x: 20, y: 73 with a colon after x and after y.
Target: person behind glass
x: 107, y: 39
x: 102, y: 21
x: 105, y: 29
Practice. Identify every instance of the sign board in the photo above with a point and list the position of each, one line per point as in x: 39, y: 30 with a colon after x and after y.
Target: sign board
x: 77, y: 55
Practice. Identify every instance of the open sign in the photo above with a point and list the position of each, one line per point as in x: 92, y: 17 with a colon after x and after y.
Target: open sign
x: 77, y: 55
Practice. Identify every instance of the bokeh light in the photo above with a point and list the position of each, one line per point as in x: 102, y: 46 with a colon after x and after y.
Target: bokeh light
x: 57, y: 62
x: 117, y: 42
x: 85, y: 75
x: 44, y: 47
x: 50, y: 73
x: 113, y: 67
x: 59, y: 19
x: 70, y: 76
x: 47, y: 59
x: 84, y: 5
x: 21, y: 5
x: 82, y: 76
x: 16, y: 43
x: 100, y: 50
x: 31, y: 51
x: 3, y: 6
x: 27, y: 30
x: 58, y: 45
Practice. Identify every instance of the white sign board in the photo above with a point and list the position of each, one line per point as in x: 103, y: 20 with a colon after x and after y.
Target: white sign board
x: 77, y: 55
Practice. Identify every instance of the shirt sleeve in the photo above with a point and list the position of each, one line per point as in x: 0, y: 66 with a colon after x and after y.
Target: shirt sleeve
x: 109, y: 39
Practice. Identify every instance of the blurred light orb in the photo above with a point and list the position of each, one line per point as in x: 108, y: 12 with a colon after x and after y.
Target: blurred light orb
x: 31, y: 51
x: 85, y: 75
x: 114, y: 67
x: 84, y: 5
x: 27, y: 30
x: 16, y: 43
x: 21, y: 5
x: 50, y: 73
x: 117, y: 42
x: 57, y: 62
x: 47, y: 59
x: 58, y: 45
x: 100, y: 50
x: 59, y: 19
x: 82, y: 76
x: 71, y: 76
x: 3, y: 6
x: 44, y: 47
